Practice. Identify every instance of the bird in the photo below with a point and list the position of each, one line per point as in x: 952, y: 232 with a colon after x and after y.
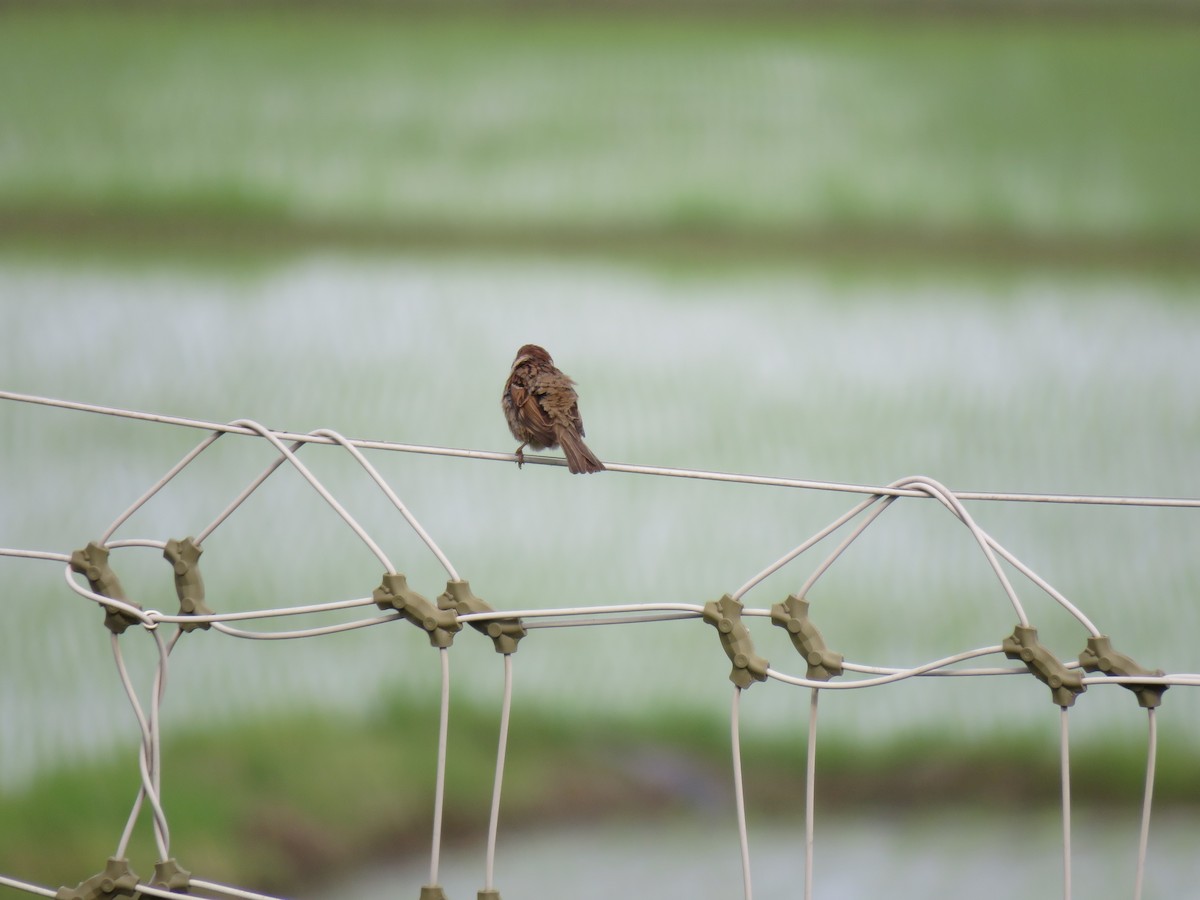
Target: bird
x: 542, y: 410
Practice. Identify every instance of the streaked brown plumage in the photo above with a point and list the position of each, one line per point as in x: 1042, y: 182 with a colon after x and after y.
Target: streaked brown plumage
x: 542, y: 410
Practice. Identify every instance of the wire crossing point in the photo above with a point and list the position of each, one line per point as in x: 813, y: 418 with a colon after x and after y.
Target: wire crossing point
x: 184, y: 557
x: 117, y: 880
x: 726, y: 616
x: 1099, y: 656
x: 92, y: 563
x: 1065, y: 684
x: 394, y: 593
x: 792, y: 615
x: 170, y: 876
x: 505, y: 633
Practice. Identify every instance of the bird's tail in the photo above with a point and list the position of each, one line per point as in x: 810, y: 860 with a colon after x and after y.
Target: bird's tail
x: 580, y: 460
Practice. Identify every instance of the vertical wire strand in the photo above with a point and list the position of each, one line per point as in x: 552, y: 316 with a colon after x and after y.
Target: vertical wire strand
x: 162, y: 833
x: 435, y: 853
x: 145, y: 753
x: 1066, y: 800
x: 810, y: 784
x: 150, y: 753
x: 501, y: 752
x: 738, y: 794
x: 1144, y: 837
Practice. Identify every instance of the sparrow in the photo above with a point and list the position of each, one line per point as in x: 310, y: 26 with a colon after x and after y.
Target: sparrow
x: 542, y: 410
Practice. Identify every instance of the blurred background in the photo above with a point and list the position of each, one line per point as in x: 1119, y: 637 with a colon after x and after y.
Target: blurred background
x: 847, y: 243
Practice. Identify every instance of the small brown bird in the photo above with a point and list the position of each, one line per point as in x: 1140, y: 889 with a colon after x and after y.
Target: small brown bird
x: 542, y: 410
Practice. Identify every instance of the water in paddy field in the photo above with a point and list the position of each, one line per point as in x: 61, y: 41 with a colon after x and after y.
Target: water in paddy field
x: 1037, y: 382
x: 884, y: 855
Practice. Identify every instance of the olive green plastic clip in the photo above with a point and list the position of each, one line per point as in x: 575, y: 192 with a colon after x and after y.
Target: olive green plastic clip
x: 792, y: 615
x: 184, y: 557
x: 432, y: 892
x: 1065, y: 684
x: 117, y: 880
x: 394, y: 593
x: 92, y: 563
x: 504, y: 632
x: 726, y: 616
x: 1099, y: 656
x: 170, y: 876
x: 490, y: 894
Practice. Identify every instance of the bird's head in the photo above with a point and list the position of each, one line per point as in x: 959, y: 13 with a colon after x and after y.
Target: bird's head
x: 532, y: 353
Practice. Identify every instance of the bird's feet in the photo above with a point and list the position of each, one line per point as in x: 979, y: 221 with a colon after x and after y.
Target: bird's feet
x: 520, y: 456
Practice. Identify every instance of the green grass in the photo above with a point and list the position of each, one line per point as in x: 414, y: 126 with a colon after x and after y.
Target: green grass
x: 603, y: 124
x: 276, y: 802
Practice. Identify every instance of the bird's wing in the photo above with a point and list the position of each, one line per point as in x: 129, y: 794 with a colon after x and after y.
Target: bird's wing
x: 557, y: 397
x: 531, y: 413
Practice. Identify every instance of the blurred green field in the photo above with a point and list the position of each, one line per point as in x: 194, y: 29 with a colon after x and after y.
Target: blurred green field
x: 622, y: 126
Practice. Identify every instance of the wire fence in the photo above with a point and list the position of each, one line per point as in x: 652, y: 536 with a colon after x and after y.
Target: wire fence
x: 90, y: 574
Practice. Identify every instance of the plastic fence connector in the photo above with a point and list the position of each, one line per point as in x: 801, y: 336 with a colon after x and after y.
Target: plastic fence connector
x: 184, y: 557
x: 491, y: 894
x: 117, y: 880
x: 394, y: 593
x: 92, y: 563
x: 792, y: 615
x: 432, y: 892
x: 170, y: 876
x: 1065, y: 684
x: 726, y: 616
x: 504, y: 632
x: 1099, y: 656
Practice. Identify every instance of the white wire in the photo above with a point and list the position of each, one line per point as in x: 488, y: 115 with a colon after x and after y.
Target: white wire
x: 810, y: 789
x: 241, y: 498
x: 439, y: 790
x: 146, y: 757
x: 303, y: 633
x: 27, y: 887
x: 899, y: 675
x: 1147, y: 798
x: 613, y: 620
x: 161, y: 831
x: 954, y: 504
x: 846, y: 542
x: 36, y: 554
x: 119, y: 605
x: 738, y: 794
x: 151, y: 618
x: 159, y: 892
x: 692, y: 608
x: 320, y: 489
x: 1043, y: 584
x: 229, y: 891
x: 501, y: 752
x: 1064, y: 718
x: 788, y: 557
x: 939, y: 673
x: 238, y: 428
x: 391, y: 495
x: 160, y: 484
